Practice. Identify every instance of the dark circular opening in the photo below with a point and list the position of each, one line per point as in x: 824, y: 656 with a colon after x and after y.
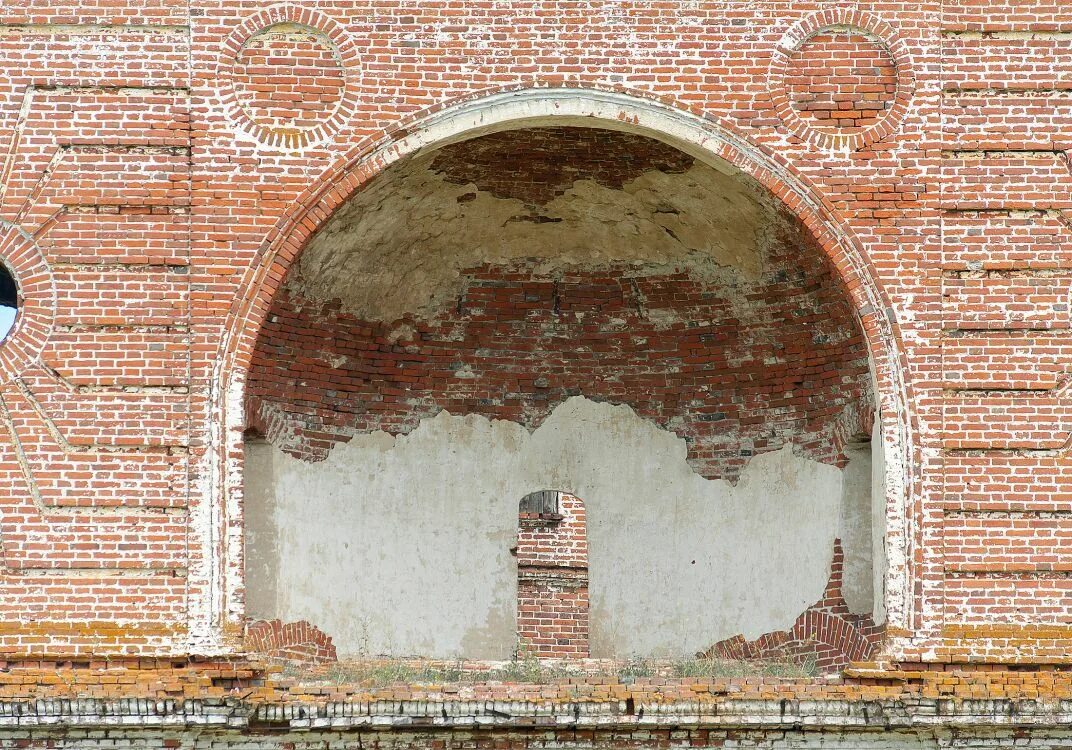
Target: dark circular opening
x: 9, y: 301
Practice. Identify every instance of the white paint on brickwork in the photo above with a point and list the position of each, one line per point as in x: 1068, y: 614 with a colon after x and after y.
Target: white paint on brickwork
x: 879, y: 561
x: 400, y: 545
x: 863, y: 524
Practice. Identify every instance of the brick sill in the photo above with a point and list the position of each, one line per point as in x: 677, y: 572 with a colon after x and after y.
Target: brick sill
x: 242, y: 697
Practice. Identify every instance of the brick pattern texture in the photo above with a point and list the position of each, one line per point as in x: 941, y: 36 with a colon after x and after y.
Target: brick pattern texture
x: 149, y: 231
x: 552, y: 581
x: 288, y: 77
x: 518, y: 342
x: 534, y: 165
x: 291, y: 643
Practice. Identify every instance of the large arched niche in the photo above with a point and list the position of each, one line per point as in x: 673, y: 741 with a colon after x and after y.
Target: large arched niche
x: 559, y: 108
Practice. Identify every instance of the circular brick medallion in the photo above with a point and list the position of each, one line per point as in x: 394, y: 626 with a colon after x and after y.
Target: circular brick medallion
x: 841, y: 80
x: 36, y: 301
x: 286, y: 77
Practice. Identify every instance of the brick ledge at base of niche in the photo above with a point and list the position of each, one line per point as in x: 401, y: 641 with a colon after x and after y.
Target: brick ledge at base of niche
x: 242, y: 696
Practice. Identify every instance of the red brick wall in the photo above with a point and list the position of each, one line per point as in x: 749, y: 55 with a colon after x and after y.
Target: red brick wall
x: 841, y: 81
x: 296, y: 53
x: 128, y: 164
x: 290, y: 642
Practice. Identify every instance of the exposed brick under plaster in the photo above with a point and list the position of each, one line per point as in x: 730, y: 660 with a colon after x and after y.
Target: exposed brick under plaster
x: 533, y: 165
x: 290, y: 643
x: 735, y: 371
x: 827, y: 632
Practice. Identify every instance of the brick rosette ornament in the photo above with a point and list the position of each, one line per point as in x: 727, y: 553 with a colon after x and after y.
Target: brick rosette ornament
x: 36, y: 300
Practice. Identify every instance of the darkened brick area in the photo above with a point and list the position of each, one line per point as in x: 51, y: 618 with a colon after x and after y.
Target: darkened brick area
x: 535, y: 165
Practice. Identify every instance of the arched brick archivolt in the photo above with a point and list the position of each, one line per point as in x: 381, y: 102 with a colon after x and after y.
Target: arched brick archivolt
x: 223, y: 607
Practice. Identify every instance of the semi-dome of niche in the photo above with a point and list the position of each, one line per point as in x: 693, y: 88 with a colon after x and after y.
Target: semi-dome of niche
x: 575, y: 309
x: 593, y: 197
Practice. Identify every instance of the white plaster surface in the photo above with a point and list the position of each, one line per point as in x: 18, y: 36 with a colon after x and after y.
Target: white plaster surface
x: 856, y: 538
x: 401, y: 545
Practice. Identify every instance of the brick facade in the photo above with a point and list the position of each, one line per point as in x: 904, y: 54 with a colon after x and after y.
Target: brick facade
x: 154, y: 193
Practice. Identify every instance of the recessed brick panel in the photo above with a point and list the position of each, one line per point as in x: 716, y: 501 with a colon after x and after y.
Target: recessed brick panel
x: 288, y: 77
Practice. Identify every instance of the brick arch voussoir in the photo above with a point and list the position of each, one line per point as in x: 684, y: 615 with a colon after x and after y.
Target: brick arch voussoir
x: 367, y: 158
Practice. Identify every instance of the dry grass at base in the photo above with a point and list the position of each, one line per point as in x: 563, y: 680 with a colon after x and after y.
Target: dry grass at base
x: 379, y: 672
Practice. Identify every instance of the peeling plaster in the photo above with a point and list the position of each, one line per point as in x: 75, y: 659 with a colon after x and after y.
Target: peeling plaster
x: 217, y: 591
x: 400, y: 545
